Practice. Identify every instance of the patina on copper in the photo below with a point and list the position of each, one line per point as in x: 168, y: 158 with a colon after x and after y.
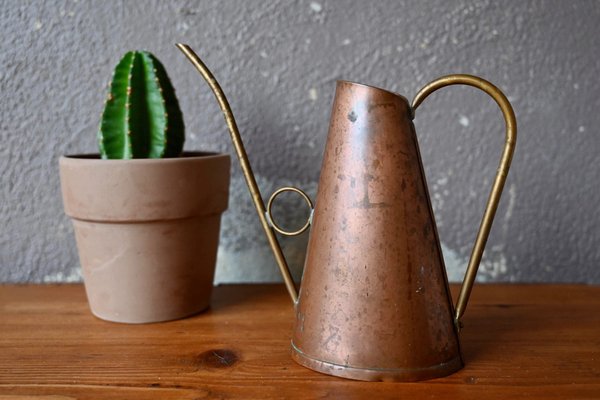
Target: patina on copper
x: 374, y: 302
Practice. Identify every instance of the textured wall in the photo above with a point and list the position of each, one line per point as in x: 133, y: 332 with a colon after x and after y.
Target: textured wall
x: 278, y: 62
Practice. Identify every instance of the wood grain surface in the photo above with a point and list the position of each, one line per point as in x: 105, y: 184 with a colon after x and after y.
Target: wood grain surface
x: 519, y: 341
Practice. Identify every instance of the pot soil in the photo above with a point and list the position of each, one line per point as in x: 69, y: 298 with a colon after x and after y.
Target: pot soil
x: 147, y: 232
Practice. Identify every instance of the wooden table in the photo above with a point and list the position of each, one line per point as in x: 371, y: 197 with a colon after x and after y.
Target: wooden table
x: 519, y: 341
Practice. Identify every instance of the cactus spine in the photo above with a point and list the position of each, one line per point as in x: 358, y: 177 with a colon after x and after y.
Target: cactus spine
x: 141, y: 117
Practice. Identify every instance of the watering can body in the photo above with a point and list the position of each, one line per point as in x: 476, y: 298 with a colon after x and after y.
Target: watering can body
x: 374, y: 303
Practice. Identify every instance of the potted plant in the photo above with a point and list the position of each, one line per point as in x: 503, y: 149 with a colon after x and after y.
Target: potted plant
x: 146, y: 215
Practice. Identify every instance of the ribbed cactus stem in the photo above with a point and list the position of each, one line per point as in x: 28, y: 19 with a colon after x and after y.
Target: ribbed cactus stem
x: 141, y: 117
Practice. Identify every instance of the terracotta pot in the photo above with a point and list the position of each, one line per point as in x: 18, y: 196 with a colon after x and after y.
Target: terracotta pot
x: 147, y: 232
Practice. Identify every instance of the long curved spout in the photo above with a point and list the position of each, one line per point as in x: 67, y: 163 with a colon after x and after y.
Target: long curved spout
x: 245, y: 164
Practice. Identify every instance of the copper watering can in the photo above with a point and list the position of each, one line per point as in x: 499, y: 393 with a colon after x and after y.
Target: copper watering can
x: 374, y: 302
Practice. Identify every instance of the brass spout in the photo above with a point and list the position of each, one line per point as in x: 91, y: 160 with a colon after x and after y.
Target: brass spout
x: 240, y: 150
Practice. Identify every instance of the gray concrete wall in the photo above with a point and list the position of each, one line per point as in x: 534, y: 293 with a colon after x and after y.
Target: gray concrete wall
x: 278, y: 62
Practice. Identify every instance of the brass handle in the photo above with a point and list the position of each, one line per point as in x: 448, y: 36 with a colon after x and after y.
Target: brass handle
x: 494, y: 197
x: 240, y: 151
x: 270, y: 214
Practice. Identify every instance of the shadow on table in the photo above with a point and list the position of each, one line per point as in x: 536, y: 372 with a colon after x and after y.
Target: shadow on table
x: 490, y: 329
x: 249, y: 295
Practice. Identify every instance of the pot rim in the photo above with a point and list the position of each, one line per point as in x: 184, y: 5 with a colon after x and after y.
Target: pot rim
x: 185, y: 156
x: 137, y: 190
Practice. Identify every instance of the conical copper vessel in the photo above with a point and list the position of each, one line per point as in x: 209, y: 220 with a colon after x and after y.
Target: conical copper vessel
x: 374, y: 303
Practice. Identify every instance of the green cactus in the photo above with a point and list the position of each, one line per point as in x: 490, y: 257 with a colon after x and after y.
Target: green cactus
x: 141, y: 117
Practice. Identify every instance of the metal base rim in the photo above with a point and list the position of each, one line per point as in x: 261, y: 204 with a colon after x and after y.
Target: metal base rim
x: 377, y: 374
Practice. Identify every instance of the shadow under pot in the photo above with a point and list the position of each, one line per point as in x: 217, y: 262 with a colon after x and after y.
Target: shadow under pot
x: 147, y: 232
